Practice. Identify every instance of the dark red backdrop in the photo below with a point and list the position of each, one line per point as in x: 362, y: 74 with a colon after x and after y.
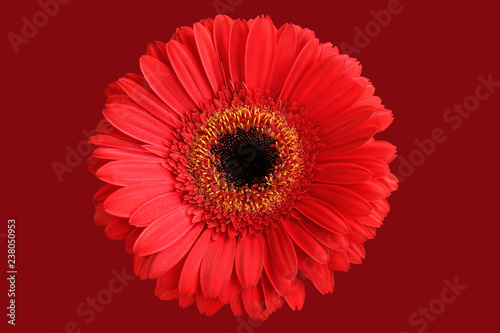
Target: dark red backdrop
x: 443, y: 223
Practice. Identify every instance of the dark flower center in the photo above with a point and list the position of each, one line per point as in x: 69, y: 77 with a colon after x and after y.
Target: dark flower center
x: 246, y: 165
x: 245, y: 157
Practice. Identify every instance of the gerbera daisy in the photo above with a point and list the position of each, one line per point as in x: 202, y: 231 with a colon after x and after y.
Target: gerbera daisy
x: 241, y: 163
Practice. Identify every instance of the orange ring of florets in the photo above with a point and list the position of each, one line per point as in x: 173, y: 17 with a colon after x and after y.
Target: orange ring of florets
x: 256, y: 200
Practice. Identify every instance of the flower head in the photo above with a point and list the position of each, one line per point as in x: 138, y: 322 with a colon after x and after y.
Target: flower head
x: 242, y: 163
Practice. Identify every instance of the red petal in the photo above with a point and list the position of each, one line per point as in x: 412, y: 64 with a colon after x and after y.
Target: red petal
x: 109, y: 153
x: 284, y: 57
x: 185, y: 301
x: 296, y: 298
x: 209, y: 24
x: 318, y: 273
x: 164, y: 231
x: 129, y: 172
x: 347, y: 143
x: 190, y: 275
x: 94, y: 163
x: 382, y: 205
x: 370, y: 221
x: 317, y: 81
x: 304, y: 36
x: 307, y: 57
x: 113, y: 89
x: 327, y: 49
x: 231, y: 290
x: 156, y: 208
x: 132, y: 237
x: 341, y: 173
x: 120, y: 99
x: 347, y: 201
x: 273, y: 299
x: 338, y: 261
x: 163, y: 152
x: 381, y: 119
x: 237, y: 46
x: 114, y: 142
x: 352, y: 68
x: 358, y: 249
x: 189, y: 72
x: 370, y: 190
x: 166, y: 85
x: 282, y: 251
x: 249, y: 260
x: 140, y: 264
x: 222, y: 27
x: 208, y: 306
x: 359, y: 233
x: 304, y: 240
x: 259, y: 57
x: 237, y: 306
x: 185, y: 36
x: 158, y: 50
x: 282, y: 285
x: 353, y: 255
x: 325, y: 286
x: 323, y: 214
x: 148, y: 100
x: 254, y: 302
x: 377, y: 167
x: 137, y: 123
x: 378, y: 149
x: 341, y: 95
x: 217, y: 265
x: 208, y: 56
x: 105, y: 127
x: 117, y: 228
x: 103, y: 193
x: 126, y: 200
x: 166, y: 285
x: 345, y: 122
x: 168, y: 257
x: 380, y: 208
x: 326, y: 237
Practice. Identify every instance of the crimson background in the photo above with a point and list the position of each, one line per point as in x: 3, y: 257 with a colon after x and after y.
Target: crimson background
x: 443, y: 223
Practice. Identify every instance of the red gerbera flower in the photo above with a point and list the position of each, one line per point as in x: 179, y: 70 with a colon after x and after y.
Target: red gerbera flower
x: 242, y: 163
